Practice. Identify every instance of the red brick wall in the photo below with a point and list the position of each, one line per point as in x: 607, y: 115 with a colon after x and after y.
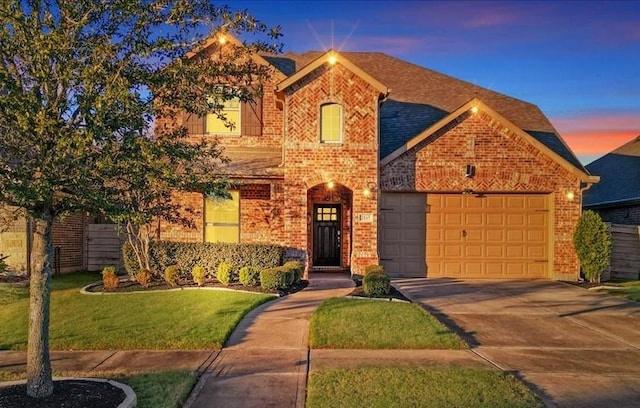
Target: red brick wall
x: 352, y: 163
x: 69, y: 235
x: 505, y: 162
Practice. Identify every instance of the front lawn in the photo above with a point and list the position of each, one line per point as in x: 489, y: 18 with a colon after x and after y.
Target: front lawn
x: 167, y: 389
x: 417, y: 387
x: 629, y: 290
x: 344, y: 323
x: 188, y: 320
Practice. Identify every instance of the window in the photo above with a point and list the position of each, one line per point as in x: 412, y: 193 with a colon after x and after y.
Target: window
x: 222, y: 219
x: 231, y: 110
x: 331, y: 123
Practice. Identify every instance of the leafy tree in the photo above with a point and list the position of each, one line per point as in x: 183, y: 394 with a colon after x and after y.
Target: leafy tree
x: 82, y: 83
x: 592, y: 242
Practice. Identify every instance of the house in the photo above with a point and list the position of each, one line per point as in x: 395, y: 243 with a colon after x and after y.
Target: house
x: 68, y: 235
x: 358, y: 158
x: 617, y: 197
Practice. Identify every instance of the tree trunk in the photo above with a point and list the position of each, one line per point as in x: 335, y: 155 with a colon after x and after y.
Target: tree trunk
x: 39, y: 379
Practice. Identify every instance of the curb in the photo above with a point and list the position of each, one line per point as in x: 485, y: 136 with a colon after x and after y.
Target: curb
x: 130, y: 399
x: 84, y: 291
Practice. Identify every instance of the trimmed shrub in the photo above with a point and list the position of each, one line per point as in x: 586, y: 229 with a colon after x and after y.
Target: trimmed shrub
x: 297, y: 268
x: 250, y: 276
x: 208, y: 255
x: 376, y: 285
x: 592, y: 242
x: 143, y: 277
x: 129, y: 260
x: 225, y: 274
x: 199, y: 274
x: 373, y: 269
x: 172, y: 275
x: 274, y: 278
x: 110, y: 279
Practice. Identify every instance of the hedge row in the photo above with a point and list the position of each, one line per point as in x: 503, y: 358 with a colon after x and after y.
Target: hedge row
x: 208, y: 255
x: 282, y: 276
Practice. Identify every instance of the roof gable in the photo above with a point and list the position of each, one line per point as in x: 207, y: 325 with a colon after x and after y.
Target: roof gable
x: 475, y: 105
x: 619, y: 171
x: 217, y: 40
x: 332, y: 57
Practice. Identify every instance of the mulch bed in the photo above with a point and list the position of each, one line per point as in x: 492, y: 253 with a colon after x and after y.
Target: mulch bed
x: 394, y: 293
x: 14, y: 279
x: 133, y: 286
x: 66, y: 394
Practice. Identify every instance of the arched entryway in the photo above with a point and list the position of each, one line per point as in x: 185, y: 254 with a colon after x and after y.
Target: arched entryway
x: 329, y: 226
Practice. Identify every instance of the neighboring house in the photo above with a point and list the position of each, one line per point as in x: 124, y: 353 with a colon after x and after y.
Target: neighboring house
x: 68, y: 241
x: 617, y: 197
x: 358, y: 158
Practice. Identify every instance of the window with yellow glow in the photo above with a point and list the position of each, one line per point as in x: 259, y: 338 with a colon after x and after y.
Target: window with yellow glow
x: 331, y: 123
x: 222, y: 219
x: 231, y: 110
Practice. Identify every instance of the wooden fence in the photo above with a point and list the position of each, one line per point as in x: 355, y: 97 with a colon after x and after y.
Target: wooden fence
x: 625, y: 252
x: 103, y: 246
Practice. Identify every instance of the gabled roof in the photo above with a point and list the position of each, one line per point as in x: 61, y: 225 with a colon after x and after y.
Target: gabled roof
x: 337, y: 59
x: 619, y: 173
x: 419, y: 98
x: 476, y: 105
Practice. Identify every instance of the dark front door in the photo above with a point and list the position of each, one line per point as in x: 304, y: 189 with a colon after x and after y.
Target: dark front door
x: 326, y: 235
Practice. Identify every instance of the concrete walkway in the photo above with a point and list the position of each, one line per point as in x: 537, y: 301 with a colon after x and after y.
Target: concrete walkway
x: 577, y: 348
x: 264, y: 363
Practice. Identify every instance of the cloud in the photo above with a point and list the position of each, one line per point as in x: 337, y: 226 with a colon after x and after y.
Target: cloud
x: 591, y: 135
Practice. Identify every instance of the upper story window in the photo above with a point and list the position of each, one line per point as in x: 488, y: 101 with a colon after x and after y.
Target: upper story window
x: 231, y: 110
x: 331, y: 123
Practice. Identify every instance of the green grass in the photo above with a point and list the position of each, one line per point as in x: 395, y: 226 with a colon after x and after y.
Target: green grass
x: 166, y: 389
x: 630, y: 290
x: 189, y: 320
x: 417, y: 387
x: 369, y: 324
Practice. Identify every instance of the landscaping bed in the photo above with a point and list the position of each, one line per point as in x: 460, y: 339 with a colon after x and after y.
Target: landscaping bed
x: 129, y: 285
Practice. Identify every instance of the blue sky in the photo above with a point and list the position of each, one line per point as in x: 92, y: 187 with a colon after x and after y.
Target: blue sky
x: 579, y: 61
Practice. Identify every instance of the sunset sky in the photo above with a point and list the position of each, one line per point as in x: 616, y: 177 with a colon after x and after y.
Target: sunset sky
x: 579, y: 61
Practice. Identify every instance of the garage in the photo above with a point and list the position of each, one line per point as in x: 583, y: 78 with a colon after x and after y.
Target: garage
x: 494, y: 236
x: 497, y: 236
x: 402, y: 234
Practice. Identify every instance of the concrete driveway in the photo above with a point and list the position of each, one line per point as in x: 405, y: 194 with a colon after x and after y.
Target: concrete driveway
x: 574, y: 347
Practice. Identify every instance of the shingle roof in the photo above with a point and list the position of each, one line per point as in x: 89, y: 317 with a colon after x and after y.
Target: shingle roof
x: 419, y: 97
x: 619, y: 173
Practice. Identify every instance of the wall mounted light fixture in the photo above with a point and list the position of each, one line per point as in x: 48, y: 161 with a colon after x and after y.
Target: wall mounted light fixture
x: 369, y: 190
x: 570, y: 195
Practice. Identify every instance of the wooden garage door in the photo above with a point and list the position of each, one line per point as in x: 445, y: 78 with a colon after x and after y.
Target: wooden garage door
x: 402, y: 234
x: 489, y: 236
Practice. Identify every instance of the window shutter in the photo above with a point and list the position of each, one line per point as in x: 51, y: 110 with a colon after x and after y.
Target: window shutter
x: 251, y: 121
x: 194, y: 123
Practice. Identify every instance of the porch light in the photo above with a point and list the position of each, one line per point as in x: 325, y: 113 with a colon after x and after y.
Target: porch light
x: 570, y: 196
x: 474, y: 110
x: 369, y: 190
x: 332, y: 59
x: 331, y: 185
x: 222, y: 40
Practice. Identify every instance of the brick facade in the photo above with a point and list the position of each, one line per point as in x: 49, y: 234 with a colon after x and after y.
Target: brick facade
x: 351, y: 165
x: 279, y: 209
x: 505, y: 161
x: 68, y: 236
